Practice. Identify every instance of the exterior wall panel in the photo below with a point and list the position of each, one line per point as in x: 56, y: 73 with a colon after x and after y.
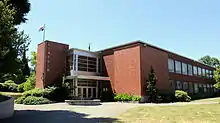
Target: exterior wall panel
x: 158, y: 60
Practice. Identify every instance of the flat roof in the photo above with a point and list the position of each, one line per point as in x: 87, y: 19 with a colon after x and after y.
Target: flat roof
x: 139, y: 42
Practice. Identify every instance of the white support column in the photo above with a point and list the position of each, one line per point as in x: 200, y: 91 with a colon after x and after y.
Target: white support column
x: 76, y: 62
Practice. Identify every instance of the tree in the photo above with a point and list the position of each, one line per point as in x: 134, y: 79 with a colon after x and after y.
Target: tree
x: 211, y: 61
x: 13, y: 45
x: 151, y: 86
x: 217, y: 78
x: 33, y: 60
x: 22, y: 7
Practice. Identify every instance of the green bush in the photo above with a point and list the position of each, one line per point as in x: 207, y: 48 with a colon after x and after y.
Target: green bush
x: 52, y: 93
x: 126, y: 97
x: 20, y: 100
x: 35, y: 92
x: 136, y: 98
x: 20, y: 87
x: 32, y: 100
x: 182, y: 96
x: 8, y: 86
x: 30, y: 83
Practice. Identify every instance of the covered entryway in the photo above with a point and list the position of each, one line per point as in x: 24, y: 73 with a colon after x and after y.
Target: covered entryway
x: 84, y: 87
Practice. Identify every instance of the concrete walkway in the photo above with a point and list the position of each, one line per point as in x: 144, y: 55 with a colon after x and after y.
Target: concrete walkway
x: 62, y: 112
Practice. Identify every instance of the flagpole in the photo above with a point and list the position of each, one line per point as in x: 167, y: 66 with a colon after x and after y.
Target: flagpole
x: 44, y: 34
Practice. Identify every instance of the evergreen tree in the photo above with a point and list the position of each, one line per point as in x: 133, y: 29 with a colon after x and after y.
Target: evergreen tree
x: 151, y: 86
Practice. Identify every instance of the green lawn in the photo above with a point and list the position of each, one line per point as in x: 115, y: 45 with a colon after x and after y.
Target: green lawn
x: 172, y: 114
x: 217, y: 99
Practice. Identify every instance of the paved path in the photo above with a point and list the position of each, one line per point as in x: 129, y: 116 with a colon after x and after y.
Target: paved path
x: 64, y: 113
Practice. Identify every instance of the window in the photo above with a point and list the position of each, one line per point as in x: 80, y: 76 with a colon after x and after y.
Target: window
x: 204, y: 87
x: 195, y: 71
x: 88, y: 64
x: 191, y: 89
x: 190, y: 70
x: 184, y: 68
x: 196, y: 88
x: 171, y: 65
x: 211, y: 74
x: 199, y: 71
x: 178, y: 85
x: 178, y: 67
x: 203, y: 72
x: 207, y: 73
x: 185, y: 86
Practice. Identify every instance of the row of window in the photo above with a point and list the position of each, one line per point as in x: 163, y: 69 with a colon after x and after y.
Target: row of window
x: 188, y: 69
x: 193, y: 87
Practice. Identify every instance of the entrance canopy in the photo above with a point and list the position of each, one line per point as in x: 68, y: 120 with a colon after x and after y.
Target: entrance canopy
x: 88, y: 77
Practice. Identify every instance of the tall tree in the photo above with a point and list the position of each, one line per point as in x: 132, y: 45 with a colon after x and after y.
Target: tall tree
x: 151, y: 86
x: 211, y: 61
x: 22, y: 7
x: 13, y: 44
x: 217, y: 78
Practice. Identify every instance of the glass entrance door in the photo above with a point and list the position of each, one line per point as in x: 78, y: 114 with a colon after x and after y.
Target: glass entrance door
x: 87, y: 92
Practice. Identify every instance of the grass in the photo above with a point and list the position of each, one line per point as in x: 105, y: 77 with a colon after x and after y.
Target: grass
x: 13, y: 94
x: 172, y: 114
x: 217, y: 99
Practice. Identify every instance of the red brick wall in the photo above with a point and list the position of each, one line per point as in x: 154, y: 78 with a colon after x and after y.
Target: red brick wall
x: 123, y: 67
x: 158, y: 60
x: 40, y: 67
x: 109, y: 68
x: 54, y: 63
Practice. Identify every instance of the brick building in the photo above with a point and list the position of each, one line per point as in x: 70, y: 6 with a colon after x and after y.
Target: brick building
x: 120, y: 69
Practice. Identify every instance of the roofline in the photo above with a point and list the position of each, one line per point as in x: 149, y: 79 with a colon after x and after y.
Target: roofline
x: 83, y: 50
x: 52, y: 42
x: 139, y: 42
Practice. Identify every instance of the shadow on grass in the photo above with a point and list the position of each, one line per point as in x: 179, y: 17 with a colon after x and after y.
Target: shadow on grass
x: 55, y: 116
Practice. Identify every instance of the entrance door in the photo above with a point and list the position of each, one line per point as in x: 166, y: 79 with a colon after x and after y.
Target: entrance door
x: 87, y: 92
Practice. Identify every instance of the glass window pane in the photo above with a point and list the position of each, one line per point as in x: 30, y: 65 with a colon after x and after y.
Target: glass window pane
x: 184, y: 68
x: 178, y: 66
x: 190, y: 70
x: 195, y: 71
x: 203, y: 72
x: 207, y: 73
x: 171, y: 65
x: 178, y: 85
x: 185, y: 86
x: 196, y: 88
x: 199, y: 71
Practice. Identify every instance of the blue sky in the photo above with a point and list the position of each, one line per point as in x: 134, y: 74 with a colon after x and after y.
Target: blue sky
x: 190, y: 27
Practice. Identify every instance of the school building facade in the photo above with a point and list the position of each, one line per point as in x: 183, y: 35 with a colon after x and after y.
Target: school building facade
x: 120, y: 69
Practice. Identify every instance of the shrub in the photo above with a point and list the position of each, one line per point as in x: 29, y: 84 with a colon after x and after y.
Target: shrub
x: 52, y: 93
x: 182, y: 96
x: 9, y: 86
x: 136, y: 98
x: 30, y: 83
x: 35, y: 92
x: 20, y: 100
x: 20, y: 87
x: 56, y: 93
x: 32, y: 100
x: 126, y: 97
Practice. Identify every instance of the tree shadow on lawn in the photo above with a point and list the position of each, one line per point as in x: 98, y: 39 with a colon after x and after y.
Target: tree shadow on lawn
x: 54, y: 116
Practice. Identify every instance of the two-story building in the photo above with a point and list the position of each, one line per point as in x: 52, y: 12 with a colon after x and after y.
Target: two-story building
x: 120, y: 69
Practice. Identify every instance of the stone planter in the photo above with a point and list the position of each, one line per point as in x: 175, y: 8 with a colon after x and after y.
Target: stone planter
x: 6, y: 107
x: 83, y: 102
